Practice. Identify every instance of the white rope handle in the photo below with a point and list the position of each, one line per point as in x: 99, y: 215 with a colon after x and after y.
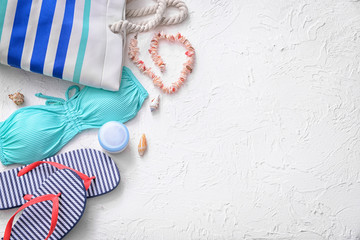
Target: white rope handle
x: 159, y: 19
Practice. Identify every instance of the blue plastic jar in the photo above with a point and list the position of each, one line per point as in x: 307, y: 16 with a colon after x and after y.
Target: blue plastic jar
x: 113, y: 137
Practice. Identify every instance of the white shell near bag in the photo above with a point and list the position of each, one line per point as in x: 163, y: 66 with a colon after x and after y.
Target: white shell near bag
x: 74, y: 40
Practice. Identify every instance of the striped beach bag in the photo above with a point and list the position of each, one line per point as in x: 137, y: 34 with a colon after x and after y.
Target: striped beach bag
x: 67, y: 39
x: 76, y: 40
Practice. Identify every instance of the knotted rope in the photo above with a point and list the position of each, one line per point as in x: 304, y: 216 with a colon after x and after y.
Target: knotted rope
x: 158, y: 10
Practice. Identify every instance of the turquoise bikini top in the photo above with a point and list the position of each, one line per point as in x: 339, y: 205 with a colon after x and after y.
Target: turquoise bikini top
x: 33, y: 133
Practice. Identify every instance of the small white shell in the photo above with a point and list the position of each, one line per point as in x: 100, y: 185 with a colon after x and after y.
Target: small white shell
x: 155, y: 102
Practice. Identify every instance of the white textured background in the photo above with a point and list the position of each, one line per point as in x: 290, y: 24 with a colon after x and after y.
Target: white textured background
x: 263, y: 142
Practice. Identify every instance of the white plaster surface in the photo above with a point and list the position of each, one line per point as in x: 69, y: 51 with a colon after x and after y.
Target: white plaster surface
x: 263, y: 141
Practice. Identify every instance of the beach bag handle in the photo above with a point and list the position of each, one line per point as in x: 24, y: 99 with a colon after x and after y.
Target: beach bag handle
x: 125, y: 26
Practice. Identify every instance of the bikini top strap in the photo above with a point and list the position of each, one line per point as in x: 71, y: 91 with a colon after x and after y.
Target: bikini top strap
x: 59, y: 101
x: 77, y: 91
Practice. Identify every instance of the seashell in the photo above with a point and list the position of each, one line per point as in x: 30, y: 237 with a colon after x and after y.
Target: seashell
x: 142, y: 145
x: 17, y: 98
x: 155, y: 102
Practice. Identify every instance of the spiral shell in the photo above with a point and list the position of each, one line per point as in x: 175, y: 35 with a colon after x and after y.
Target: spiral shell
x: 155, y: 102
x: 17, y: 98
x: 142, y: 145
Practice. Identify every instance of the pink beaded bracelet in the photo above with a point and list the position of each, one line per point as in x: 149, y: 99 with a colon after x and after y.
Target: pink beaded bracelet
x: 188, y: 65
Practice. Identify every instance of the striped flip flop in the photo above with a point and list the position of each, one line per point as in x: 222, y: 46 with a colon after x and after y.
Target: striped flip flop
x: 14, y: 184
x: 54, y: 209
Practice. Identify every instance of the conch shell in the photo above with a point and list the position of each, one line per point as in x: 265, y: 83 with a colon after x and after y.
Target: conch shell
x: 17, y: 98
x: 142, y: 145
x: 155, y: 102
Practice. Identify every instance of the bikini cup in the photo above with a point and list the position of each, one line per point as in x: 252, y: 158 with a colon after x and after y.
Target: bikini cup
x: 33, y: 133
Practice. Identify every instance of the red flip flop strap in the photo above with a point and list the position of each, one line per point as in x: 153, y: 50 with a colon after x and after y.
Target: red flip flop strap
x: 54, y: 215
x: 85, y: 178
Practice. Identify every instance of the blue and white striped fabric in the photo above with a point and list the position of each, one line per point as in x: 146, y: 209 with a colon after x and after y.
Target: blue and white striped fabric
x: 88, y: 161
x: 65, y: 39
x: 34, y: 222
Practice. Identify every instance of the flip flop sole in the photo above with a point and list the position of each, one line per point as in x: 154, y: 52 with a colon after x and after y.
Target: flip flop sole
x: 88, y: 161
x: 34, y: 223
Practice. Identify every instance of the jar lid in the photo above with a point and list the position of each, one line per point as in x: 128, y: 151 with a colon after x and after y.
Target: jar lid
x: 113, y: 136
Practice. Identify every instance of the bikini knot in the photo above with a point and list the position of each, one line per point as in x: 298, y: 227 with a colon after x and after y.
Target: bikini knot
x: 59, y: 101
